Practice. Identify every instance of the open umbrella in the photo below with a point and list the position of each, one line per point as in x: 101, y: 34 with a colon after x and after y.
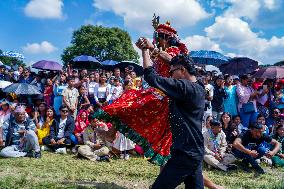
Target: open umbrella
x: 273, y: 72
x: 12, y: 54
x: 137, y: 68
x: 4, y: 84
x: 22, y: 89
x: 208, y: 57
x: 86, y: 62
x: 47, y: 65
x: 238, y: 66
x: 109, y: 64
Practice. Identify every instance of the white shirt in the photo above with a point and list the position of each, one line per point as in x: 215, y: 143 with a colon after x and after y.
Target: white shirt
x: 62, y: 125
x: 115, y: 92
x: 92, y: 86
x: 209, y: 88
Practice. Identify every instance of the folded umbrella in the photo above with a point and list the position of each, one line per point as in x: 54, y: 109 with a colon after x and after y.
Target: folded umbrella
x: 22, y: 89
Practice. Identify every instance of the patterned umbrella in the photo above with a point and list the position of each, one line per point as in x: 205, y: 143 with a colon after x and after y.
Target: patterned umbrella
x: 86, y: 62
x: 238, y: 66
x: 4, y: 84
x: 12, y: 54
x: 137, y: 68
x: 208, y: 57
x: 47, y: 65
x: 109, y: 64
x: 273, y: 72
x: 22, y: 89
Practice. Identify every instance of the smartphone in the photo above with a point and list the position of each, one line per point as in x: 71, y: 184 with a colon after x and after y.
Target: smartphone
x: 264, y: 87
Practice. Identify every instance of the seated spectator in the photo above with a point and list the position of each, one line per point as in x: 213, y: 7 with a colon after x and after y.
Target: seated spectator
x: 95, y: 147
x: 273, y: 120
x: 44, y: 131
x: 278, y: 159
x: 229, y: 129
x: 238, y: 124
x: 207, y: 123
x: 248, y: 147
x: 80, y: 125
x: 19, y: 136
x: 5, y: 113
x: 215, y: 148
x: 60, y: 132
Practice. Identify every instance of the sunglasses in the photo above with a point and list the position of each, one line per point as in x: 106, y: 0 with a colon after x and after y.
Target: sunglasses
x: 64, y: 111
x: 173, y: 70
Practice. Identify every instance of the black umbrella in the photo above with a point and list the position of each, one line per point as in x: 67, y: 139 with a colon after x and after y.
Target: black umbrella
x: 137, y: 68
x: 238, y: 66
x: 86, y: 62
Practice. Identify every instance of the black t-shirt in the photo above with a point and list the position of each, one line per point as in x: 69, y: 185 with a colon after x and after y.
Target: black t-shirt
x: 247, y: 139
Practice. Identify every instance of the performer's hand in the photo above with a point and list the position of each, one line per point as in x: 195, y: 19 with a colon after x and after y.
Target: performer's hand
x: 144, y: 43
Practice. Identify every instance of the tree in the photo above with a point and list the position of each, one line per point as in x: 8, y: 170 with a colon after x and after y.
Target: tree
x: 281, y: 63
x: 101, y: 42
x: 10, y: 60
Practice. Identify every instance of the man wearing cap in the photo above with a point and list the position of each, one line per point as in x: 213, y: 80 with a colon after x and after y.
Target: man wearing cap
x: 186, y: 110
x: 215, y: 148
x: 248, y: 148
x: 20, y: 138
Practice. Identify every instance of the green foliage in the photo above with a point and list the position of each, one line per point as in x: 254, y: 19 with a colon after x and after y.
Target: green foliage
x: 281, y: 63
x: 101, y: 42
x: 9, y: 60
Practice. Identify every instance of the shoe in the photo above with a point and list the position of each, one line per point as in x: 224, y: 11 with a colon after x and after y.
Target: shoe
x: 121, y: 156
x: 45, y: 148
x: 245, y: 166
x: 259, y: 170
x: 74, y: 150
x: 126, y: 157
x: 29, y: 154
x: 104, y: 158
x: 37, y: 155
x: 61, y: 151
x: 232, y: 167
x: 266, y: 161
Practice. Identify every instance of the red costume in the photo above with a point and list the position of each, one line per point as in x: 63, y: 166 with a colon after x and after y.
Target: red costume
x: 143, y: 114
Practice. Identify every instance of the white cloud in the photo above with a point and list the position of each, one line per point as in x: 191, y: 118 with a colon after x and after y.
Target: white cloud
x: 51, y: 9
x: 37, y: 48
x: 236, y: 34
x: 138, y: 14
x: 243, y: 8
x: 270, y: 4
x: 198, y: 42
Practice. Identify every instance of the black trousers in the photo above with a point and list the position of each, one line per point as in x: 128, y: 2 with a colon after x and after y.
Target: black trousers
x: 46, y: 141
x: 180, y: 168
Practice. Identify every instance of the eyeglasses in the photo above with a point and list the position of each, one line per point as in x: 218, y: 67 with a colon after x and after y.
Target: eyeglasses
x: 64, y: 111
x: 173, y: 70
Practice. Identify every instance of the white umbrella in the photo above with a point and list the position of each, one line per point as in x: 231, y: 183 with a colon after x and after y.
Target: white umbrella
x: 4, y: 84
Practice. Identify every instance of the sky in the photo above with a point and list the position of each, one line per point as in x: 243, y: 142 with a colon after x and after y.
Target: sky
x: 41, y: 29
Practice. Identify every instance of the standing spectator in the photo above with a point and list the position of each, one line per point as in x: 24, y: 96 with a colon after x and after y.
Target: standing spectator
x: 91, y: 89
x: 209, y: 89
x: 26, y: 77
x: 215, y: 148
x: 83, y: 100
x: 44, y: 131
x: 20, y: 138
x: 58, y: 88
x: 265, y: 98
x: 115, y: 91
x: 218, y: 97
x: 3, y: 75
x: 117, y: 74
x: 48, y: 90
x: 280, y: 96
x: 247, y: 104
x: 18, y: 73
x: 230, y: 103
x: 278, y: 159
x: 5, y: 113
x: 60, y: 132
x: 247, y: 147
x: 70, y: 97
x: 37, y: 82
x: 101, y: 91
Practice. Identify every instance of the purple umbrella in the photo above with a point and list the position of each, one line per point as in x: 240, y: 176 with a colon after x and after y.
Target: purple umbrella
x: 239, y: 65
x: 273, y: 72
x: 47, y: 65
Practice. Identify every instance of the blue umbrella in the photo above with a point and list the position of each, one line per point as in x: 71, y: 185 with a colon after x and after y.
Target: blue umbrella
x: 86, y: 62
x: 12, y: 54
x: 208, y: 57
x: 238, y: 66
x: 109, y: 64
x: 22, y: 89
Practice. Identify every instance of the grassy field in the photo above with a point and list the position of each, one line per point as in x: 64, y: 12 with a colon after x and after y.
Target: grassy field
x: 66, y: 171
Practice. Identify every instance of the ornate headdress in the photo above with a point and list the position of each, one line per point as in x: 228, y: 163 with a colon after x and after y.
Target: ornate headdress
x: 20, y: 109
x: 163, y: 28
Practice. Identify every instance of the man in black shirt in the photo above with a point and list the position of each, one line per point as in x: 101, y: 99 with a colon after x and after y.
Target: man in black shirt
x: 248, y: 148
x: 186, y: 107
x: 218, y: 97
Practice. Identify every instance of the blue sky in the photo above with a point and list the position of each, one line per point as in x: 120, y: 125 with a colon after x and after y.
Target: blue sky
x: 41, y: 29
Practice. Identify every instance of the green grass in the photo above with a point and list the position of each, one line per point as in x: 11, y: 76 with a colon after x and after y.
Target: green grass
x: 66, y: 171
